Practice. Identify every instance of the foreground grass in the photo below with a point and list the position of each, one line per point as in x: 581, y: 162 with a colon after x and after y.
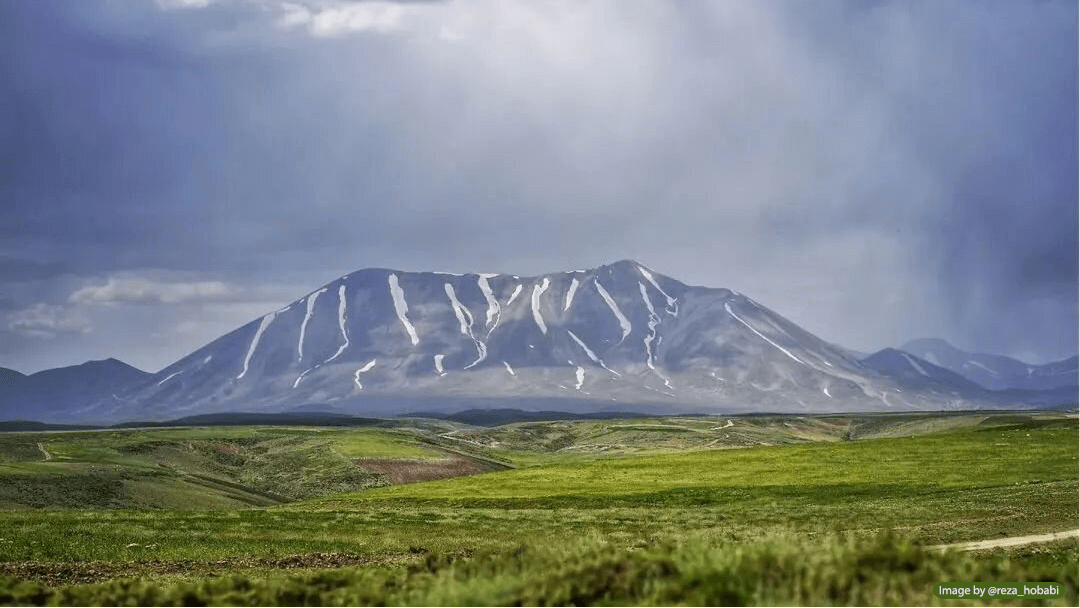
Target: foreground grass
x: 881, y: 571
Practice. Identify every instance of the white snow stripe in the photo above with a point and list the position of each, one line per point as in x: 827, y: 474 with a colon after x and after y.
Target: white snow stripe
x: 826, y: 391
x: 670, y: 300
x: 301, y: 377
x: 493, y: 304
x: 342, y: 303
x: 459, y: 309
x: 727, y: 307
x: 509, y: 369
x: 465, y: 319
x: 537, y: 290
x: 439, y: 366
x: 654, y: 321
x: 266, y: 320
x: 367, y: 367
x: 589, y: 353
x: 307, y: 317
x: 580, y: 374
x: 915, y: 364
x: 401, y: 308
x: 170, y: 377
x: 570, y: 294
x: 514, y: 295
x: 624, y: 323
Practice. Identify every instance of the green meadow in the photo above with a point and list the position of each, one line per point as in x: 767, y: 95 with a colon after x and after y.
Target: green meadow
x: 819, y: 510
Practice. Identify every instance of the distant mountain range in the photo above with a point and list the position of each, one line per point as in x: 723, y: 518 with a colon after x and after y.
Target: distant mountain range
x: 56, y: 395
x: 620, y: 337
x: 995, y: 372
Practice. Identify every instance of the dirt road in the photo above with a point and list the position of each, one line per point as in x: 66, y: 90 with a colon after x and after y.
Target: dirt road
x: 1012, y: 541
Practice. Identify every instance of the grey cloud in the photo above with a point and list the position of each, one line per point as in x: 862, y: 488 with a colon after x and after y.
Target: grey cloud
x: 876, y: 171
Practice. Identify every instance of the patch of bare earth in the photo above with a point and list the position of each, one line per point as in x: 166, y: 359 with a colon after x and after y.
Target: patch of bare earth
x: 408, y: 470
x: 55, y: 574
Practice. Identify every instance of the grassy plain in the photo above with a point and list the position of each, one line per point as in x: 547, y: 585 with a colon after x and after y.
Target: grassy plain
x: 767, y: 509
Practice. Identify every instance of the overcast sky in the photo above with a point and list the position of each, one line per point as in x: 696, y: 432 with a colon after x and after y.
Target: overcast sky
x: 874, y: 171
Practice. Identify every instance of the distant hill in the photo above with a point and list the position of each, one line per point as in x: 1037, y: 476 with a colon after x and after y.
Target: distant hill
x: 996, y: 372
x: 58, y: 395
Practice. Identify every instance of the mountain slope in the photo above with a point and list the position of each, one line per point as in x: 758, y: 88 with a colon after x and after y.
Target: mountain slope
x: 619, y: 337
x: 995, y: 372
x: 63, y: 393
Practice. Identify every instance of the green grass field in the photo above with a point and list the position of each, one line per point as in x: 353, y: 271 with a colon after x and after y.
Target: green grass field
x: 697, y: 510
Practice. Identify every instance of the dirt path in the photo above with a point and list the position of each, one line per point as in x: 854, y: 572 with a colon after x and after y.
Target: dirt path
x: 48, y: 456
x: 1013, y: 541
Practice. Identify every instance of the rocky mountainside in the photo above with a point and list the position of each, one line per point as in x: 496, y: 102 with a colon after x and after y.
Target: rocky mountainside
x: 619, y: 337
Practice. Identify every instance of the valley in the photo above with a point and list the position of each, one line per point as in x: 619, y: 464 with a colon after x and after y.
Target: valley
x: 425, y: 510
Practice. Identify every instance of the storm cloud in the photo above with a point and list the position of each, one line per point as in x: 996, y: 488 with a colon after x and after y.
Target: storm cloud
x: 874, y: 171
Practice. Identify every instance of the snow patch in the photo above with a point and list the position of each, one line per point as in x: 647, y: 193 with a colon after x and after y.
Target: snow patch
x: 307, y: 317
x: 624, y: 323
x: 438, y: 365
x: 342, y: 310
x: 459, y: 309
x: 971, y: 362
x: 727, y: 307
x: 207, y: 359
x: 367, y: 367
x: 266, y: 320
x: 401, y: 308
x: 514, y: 295
x: 509, y: 369
x: 580, y: 374
x: 670, y: 300
x: 301, y: 377
x: 570, y: 294
x: 915, y: 364
x: 465, y: 318
x: 654, y: 321
x: 589, y: 353
x: 170, y: 377
x: 537, y: 290
x: 826, y: 391
x: 493, y: 304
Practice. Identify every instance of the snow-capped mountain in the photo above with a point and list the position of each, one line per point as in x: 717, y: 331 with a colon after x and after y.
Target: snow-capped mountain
x: 995, y: 372
x: 617, y: 337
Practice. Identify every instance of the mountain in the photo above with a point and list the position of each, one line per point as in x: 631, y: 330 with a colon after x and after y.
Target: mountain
x: 620, y: 337
x: 996, y: 372
x: 8, y: 378
x: 64, y: 393
x: 919, y: 373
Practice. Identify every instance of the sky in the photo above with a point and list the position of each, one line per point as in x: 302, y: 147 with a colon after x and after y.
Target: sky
x: 874, y: 171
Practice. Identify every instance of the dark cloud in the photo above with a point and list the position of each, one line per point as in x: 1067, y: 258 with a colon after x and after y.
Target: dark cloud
x: 876, y: 171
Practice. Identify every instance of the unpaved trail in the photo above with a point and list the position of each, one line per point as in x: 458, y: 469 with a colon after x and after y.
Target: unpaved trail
x: 48, y: 456
x: 1012, y: 541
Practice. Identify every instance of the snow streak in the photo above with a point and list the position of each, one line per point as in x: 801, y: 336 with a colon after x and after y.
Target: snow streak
x: 356, y: 377
x: 401, y: 308
x: 509, y: 369
x: 589, y: 353
x: 266, y: 320
x: 654, y: 320
x: 438, y: 365
x: 466, y: 325
x: 341, y: 324
x: 307, y: 317
x: 624, y: 323
x: 727, y: 307
x: 670, y: 300
x: 170, y: 377
x: 537, y: 290
x: 514, y: 295
x: 580, y: 374
x: 493, y: 304
x: 915, y: 364
x: 570, y: 294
